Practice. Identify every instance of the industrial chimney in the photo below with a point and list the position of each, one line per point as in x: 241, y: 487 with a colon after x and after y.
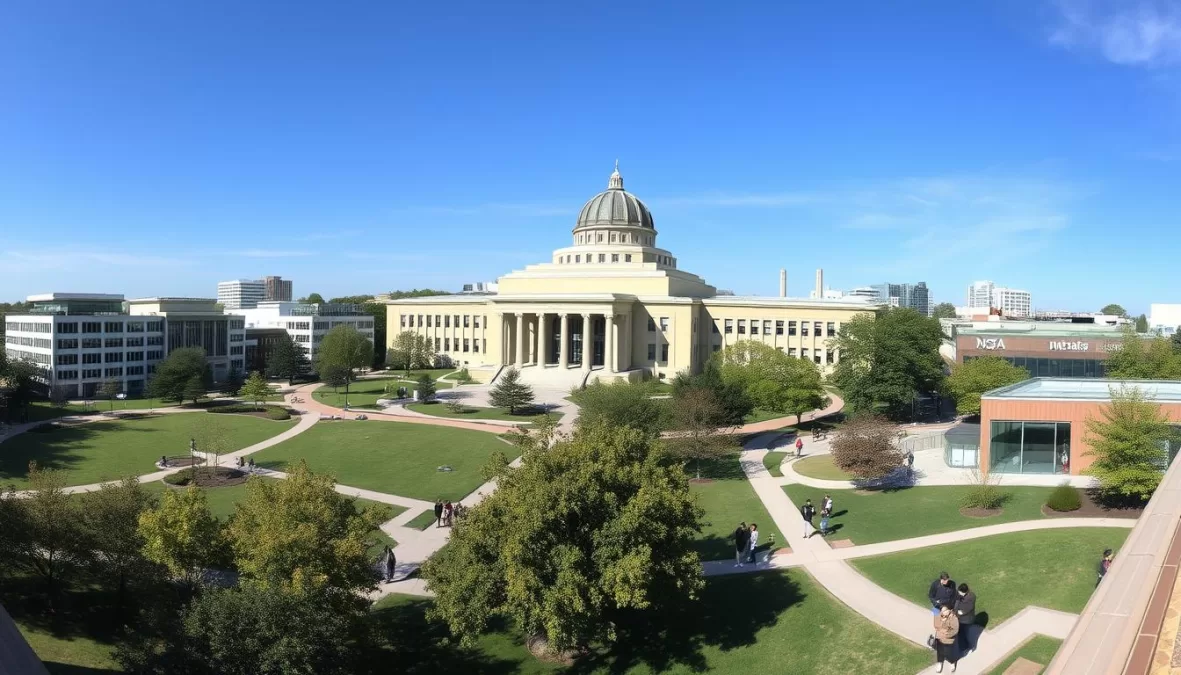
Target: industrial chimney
x: 820, y: 284
x: 782, y: 283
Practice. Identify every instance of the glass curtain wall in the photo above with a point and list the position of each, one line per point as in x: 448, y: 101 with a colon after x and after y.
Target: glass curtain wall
x: 1030, y: 447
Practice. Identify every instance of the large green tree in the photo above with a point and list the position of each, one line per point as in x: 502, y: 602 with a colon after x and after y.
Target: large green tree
x: 622, y: 404
x: 944, y: 310
x: 773, y: 380
x: 510, y: 392
x: 1129, y: 445
x: 731, y: 396
x: 287, y: 360
x: 110, y: 527
x: 887, y: 359
x: 40, y: 534
x: 1142, y: 324
x: 971, y: 379
x: 181, y: 375
x: 697, y: 428
x: 594, y: 533
x: 1114, y: 310
x: 409, y: 351
x: 1141, y: 357
x: 344, y: 347
x: 182, y: 535
x: 256, y: 389
x: 20, y: 376
x: 312, y: 299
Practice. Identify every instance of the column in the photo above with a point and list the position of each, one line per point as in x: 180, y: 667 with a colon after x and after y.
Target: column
x: 540, y: 346
x: 520, y: 340
x: 609, y: 344
x: 564, y: 343
x: 588, y: 346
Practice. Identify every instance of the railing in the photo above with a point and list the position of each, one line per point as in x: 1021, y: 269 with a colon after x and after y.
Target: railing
x: 928, y: 440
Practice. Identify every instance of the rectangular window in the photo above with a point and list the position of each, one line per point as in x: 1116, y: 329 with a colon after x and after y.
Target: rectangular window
x: 92, y: 327
x: 578, y: 258
x: 804, y: 328
x: 476, y: 345
x: 627, y: 257
x: 602, y: 257
x: 791, y: 351
x: 754, y: 327
x: 71, y: 327
x: 476, y: 321
x: 420, y: 324
x: 456, y: 317
x: 829, y: 356
x: 92, y: 358
x: 92, y: 372
x: 447, y: 321
x: 614, y: 257
x: 113, y: 343
x: 652, y: 351
x: 816, y: 329
x: 664, y: 323
x: 447, y: 344
x: 729, y: 326
x: 742, y: 326
x: 71, y: 343
x: 467, y: 319
x: 139, y: 356
x: 830, y: 329
x: 1030, y: 447
x: 779, y: 328
x: 651, y: 325
x: 113, y: 357
x: 402, y: 317
x: 135, y: 326
x: 139, y: 342
x: 804, y: 353
x: 234, y: 350
x: 135, y: 370
x: 92, y: 343
x: 67, y: 374
x: 114, y: 372
x: 791, y: 327
x: 438, y: 320
x: 766, y: 327
x: 157, y: 341
x: 67, y: 359
x: 817, y: 356
x: 114, y: 327
x: 664, y: 353
x: 428, y: 322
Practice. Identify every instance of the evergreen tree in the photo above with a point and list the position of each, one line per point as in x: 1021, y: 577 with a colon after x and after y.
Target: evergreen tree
x: 426, y: 388
x: 256, y: 389
x: 287, y: 360
x: 510, y: 392
x: 182, y: 375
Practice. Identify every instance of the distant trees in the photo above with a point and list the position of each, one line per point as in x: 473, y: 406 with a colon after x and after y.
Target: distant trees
x: 287, y: 360
x: 944, y: 310
x: 183, y: 375
x: 510, y: 392
x: 1129, y: 445
x: 409, y: 351
x: 1114, y: 310
x: 1141, y: 357
x: 888, y: 359
x: 864, y: 446
x: 344, y: 349
x: 971, y: 379
x: 21, y: 377
x: 312, y: 299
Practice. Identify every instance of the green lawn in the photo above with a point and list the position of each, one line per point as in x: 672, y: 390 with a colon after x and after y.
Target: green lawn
x: 728, y: 500
x: 422, y: 520
x: 820, y: 466
x: 110, y: 449
x: 1039, y: 649
x: 223, y: 500
x: 44, y: 410
x: 772, y: 460
x: 1054, y: 569
x: 912, y: 512
x: 70, y: 654
x: 760, y: 415
x: 771, y: 622
x: 470, y: 412
x: 364, y: 393
x: 393, y: 457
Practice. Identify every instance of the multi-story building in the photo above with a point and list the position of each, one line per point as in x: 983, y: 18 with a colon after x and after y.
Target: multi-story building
x: 241, y: 293
x: 80, y: 340
x: 1012, y: 302
x: 613, y: 305
x: 278, y: 289
x: 913, y: 296
x: 307, y: 324
x: 980, y: 294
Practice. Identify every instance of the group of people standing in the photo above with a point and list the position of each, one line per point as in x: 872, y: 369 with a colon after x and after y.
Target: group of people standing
x: 746, y: 543
x: 953, y: 609
x: 808, y: 511
x: 446, y: 513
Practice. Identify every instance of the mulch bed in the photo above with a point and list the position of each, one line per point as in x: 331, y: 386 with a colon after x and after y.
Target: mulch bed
x: 980, y: 513
x: 184, y: 460
x: 217, y: 477
x: 1092, y: 508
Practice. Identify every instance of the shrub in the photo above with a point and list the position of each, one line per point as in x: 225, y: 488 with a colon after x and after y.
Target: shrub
x: 182, y: 477
x: 274, y: 413
x: 984, y: 496
x: 1064, y: 498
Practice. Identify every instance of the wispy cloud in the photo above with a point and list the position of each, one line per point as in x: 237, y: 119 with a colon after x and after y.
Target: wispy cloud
x: 770, y: 199
x: 271, y: 253
x: 1127, y: 32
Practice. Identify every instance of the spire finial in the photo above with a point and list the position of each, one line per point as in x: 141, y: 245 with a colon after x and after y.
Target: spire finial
x: 616, y: 165
x: 616, y: 182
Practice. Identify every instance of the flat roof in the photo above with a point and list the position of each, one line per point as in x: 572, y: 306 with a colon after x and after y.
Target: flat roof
x: 56, y: 297
x: 1084, y: 389
x: 150, y: 300
x: 1039, y: 329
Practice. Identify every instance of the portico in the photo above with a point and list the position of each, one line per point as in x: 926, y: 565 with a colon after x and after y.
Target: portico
x: 573, y: 337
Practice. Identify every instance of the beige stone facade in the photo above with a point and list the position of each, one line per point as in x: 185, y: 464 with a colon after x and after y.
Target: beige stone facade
x: 615, y: 291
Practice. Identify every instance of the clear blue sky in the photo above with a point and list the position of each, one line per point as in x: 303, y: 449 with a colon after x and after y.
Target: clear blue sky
x: 154, y: 148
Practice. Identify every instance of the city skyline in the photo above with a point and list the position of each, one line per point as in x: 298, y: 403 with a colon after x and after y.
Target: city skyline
x: 1043, y: 156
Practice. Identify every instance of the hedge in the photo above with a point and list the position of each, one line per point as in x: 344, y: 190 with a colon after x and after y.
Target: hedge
x: 1064, y: 498
x: 273, y: 412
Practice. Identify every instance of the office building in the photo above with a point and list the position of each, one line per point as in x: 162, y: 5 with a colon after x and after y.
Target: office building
x: 1164, y: 318
x: 307, y: 324
x: 913, y: 296
x: 1012, y: 302
x: 278, y: 289
x: 241, y: 293
x: 980, y: 294
x: 1044, y: 348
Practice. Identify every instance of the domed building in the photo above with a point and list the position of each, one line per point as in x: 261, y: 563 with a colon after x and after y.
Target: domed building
x: 613, y: 305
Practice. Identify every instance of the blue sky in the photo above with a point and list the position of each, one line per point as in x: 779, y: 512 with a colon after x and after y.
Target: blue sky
x: 156, y: 148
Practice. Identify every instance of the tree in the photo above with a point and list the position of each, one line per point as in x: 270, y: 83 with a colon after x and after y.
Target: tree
x: 109, y: 389
x: 256, y: 389
x: 1129, y: 445
x: 426, y: 388
x: 59, y: 397
x: 1140, y: 357
x: 510, y: 392
x: 888, y: 359
x: 409, y: 351
x: 621, y: 404
x: 1142, y: 324
x: 1175, y: 341
x: 696, y: 416
x: 773, y: 380
x: 110, y: 521
x: 182, y: 375
x: 21, y: 377
x: 971, y: 379
x: 301, y: 533
x: 944, y: 310
x: 864, y: 446
x: 344, y: 348
x: 234, y: 380
x: 213, y: 439
x: 312, y: 299
x: 287, y: 360
x: 731, y: 396
x: 39, y: 534
x: 181, y: 534
x: 335, y: 376
x: 1114, y: 310
x: 613, y: 545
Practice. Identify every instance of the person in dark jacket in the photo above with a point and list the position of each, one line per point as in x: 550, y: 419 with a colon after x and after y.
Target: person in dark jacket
x: 390, y: 564
x: 1104, y: 565
x: 965, y: 611
x: 941, y: 592
x: 808, y: 512
x: 438, y: 513
x: 741, y: 543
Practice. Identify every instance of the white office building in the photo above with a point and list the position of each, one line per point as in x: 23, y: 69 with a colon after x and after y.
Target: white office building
x: 308, y: 324
x: 80, y: 340
x: 1164, y: 318
x: 241, y: 293
x: 980, y: 294
x: 1013, y: 303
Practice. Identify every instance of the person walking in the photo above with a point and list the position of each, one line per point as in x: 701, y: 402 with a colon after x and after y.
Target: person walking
x: 391, y: 562
x: 799, y: 447
x: 808, y: 512
x: 448, y: 510
x: 947, y: 627
x: 438, y: 513
x: 250, y: 466
x: 754, y: 542
x: 965, y: 612
x: 941, y: 592
x: 910, y: 465
x: 824, y: 515
x: 1104, y: 565
x: 741, y: 541
x: 826, y: 505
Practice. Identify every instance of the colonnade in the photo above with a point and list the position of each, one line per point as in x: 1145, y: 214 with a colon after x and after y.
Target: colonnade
x: 586, y: 340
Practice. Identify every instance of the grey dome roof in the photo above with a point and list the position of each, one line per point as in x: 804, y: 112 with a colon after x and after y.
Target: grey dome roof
x: 614, y: 206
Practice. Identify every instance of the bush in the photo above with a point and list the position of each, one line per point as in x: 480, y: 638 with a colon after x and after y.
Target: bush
x: 274, y: 413
x: 45, y: 428
x: 182, y: 477
x: 984, y: 496
x: 1064, y: 498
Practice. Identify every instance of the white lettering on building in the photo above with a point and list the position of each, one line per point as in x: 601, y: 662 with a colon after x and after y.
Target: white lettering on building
x: 1064, y: 346
x: 990, y: 343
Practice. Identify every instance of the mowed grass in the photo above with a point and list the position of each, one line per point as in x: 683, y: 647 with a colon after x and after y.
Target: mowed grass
x: 45, y: 410
x: 887, y: 515
x: 728, y: 499
x: 1054, y: 569
x: 111, y: 449
x: 772, y: 460
x: 1039, y: 649
x: 364, y: 393
x: 439, y: 409
x: 393, y: 457
x: 820, y: 466
x: 70, y: 654
x: 760, y: 415
x: 771, y: 622
x: 422, y: 521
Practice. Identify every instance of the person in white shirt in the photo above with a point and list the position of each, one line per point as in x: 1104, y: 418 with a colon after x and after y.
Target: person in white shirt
x: 754, y: 541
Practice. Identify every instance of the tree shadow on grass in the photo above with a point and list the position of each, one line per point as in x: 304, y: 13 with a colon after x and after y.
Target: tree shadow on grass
x: 54, y: 447
x: 423, y: 647
x: 55, y: 668
x: 732, y: 611
x: 720, y: 468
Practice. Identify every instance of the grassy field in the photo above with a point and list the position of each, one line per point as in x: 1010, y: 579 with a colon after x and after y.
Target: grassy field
x: 728, y: 500
x: 760, y: 415
x: 392, y: 457
x: 820, y: 466
x: 364, y: 393
x: 772, y: 460
x: 772, y: 622
x: 422, y: 521
x: 223, y: 500
x: 438, y: 409
x: 1054, y: 569
x: 887, y: 515
x: 44, y: 410
x: 110, y: 449
x: 1039, y: 649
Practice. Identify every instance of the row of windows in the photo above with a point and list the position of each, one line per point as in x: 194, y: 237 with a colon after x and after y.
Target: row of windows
x: 299, y: 325
x: 473, y: 346
x: 577, y: 258
x: 820, y: 358
x: 29, y: 327
x: 155, y: 356
x: 40, y: 343
x: 805, y: 328
x: 652, y: 352
x: 93, y: 373
x: 236, y: 349
x: 440, y: 320
x: 21, y: 355
x: 616, y: 237
x: 237, y: 337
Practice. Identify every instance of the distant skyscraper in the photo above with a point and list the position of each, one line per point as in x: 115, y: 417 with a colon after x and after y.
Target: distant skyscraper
x: 980, y: 294
x: 1012, y: 302
x: 914, y: 296
x: 277, y: 289
x: 241, y: 293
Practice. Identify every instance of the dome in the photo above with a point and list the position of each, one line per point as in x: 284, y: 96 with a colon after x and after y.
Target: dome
x: 614, y: 207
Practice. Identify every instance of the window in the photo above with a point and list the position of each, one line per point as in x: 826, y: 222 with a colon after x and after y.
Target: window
x: 154, y: 356
x: 139, y: 356
x: 651, y: 325
x: 627, y: 257
x: 466, y: 344
x: 92, y: 343
x: 742, y: 326
x: 588, y: 257
x: 92, y: 358
x: 67, y: 374
x: 729, y: 326
x: 804, y: 328
x: 467, y: 319
x: 817, y: 356
x: 139, y: 342
x: 476, y: 321
x: 234, y: 337
x: 599, y: 238
x: 114, y: 372
x: 234, y: 350
x: 754, y: 327
x: 154, y: 326
x: 135, y: 370
x: 1030, y: 447
x: 829, y: 356
x: 113, y: 357
x: 446, y: 321
x: 791, y: 327
x: 114, y: 343
x: 438, y: 320
x: 402, y: 317
x: 614, y: 257
x: 92, y: 372
x: 476, y: 345
x: 67, y: 359
x: 816, y: 329
x: 766, y: 327
x: 71, y: 327
x: 92, y: 327
x: 135, y: 326
x: 664, y: 323
x: 578, y: 258
x: 651, y: 351
x: 428, y: 322
x: 602, y: 256
x: 779, y: 328
x: 830, y: 329
x: 804, y: 353
x: 456, y: 317
x: 612, y: 237
x: 446, y: 344
x: 791, y: 351
x: 71, y: 343
x: 664, y: 353
x: 114, y: 327
x: 157, y: 341
x: 420, y: 321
